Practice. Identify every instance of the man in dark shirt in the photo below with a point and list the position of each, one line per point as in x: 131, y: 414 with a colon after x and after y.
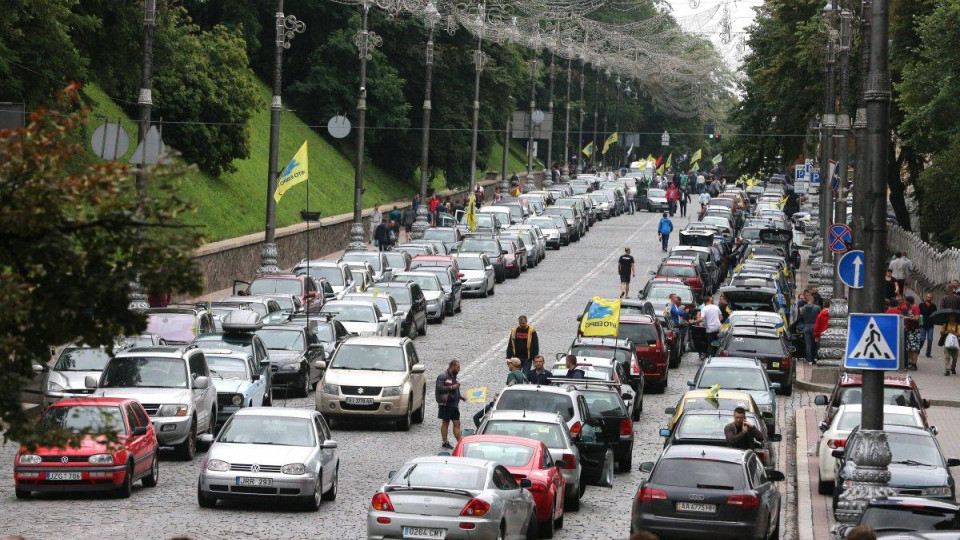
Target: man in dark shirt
x: 927, y: 307
x: 739, y: 433
x: 626, y: 267
x: 523, y: 343
x: 538, y: 374
x: 572, y: 371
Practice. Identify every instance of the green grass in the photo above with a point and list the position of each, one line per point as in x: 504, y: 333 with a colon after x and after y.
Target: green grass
x: 516, y: 159
x: 234, y: 203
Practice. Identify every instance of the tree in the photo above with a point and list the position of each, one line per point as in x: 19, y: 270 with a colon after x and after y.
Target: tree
x: 71, y: 242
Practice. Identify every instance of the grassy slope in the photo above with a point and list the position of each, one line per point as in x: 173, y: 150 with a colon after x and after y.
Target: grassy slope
x: 234, y: 203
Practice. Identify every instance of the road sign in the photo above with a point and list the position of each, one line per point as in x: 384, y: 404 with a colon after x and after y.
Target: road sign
x: 151, y: 149
x: 338, y: 126
x: 873, y: 341
x: 800, y: 173
x: 840, y: 238
x: 815, y: 178
x: 850, y: 268
x: 808, y: 167
x: 110, y: 141
x: 538, y: 117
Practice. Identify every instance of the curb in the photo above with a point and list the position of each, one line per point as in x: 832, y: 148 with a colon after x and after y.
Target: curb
x: 804, y: 503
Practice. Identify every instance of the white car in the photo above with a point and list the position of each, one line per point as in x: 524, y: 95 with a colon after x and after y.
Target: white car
x: 360, y: 316
x: 835, y: 434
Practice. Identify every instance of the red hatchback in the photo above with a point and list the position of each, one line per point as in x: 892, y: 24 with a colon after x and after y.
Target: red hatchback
x: 652, y: 348
x: 95, y: 465
x: 687, y: 271
x: 524, y: 458
x: 302, y: 286
x: 898, y: 389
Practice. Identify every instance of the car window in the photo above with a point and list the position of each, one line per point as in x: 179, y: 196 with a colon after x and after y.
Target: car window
x: 412, y: 354
x: 322, y: 432
x: 178, y: 327
x: 273, y: 430
x: 506, y: 454
x: 503, y: 479
x: 733, y: 378
x: 531, y: 400
x: 368, y: 357
x: 601, y: 403
x: 639, y: 334
x: 94, y: 419
x: 755, y: 470
x: 141, y: 414
x: 198, y: 366
x: 132, y: 419
x: 547, y: 460
x: 694, y: 473
x: 550, y: 435
x: 677, y: 271
x: 82, y: 359
x: 228, y: 367
x: 447, y: 474
x: 143, y: 371
x: 754, y: 345
x: 276, y: 286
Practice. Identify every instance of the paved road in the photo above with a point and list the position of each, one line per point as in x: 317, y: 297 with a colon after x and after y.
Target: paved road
x: 552, y: 295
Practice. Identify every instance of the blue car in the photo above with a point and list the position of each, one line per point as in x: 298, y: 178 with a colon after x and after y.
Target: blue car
x: 239, y: 382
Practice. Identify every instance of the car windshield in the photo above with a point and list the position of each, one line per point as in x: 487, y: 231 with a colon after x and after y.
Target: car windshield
x: 599, y: 197
x: 276, y: 286
x: 76, y: 418
x: 397, y: 260
x: 550, y: 435
x: 178, y: 327
x: 771, y: 346
x: 908, y: 449
x: 285, y: 302
x: 444, y: 235
x: 558, y: 221
x: 326, y: 332
x: 702, y: 426
x: 448, y: 474
x: 144, y: 372
x: 639, y: 334
x: 566, y: 212
x: 853, y: 395
x: 272, y: 430
x: 733, y: 378
x: 426, y: 283
x: 717, y: 220
x: 480, y: 245
x: 851, y: 419
x: 369, y: 357
x: 332, y: 274
x: 676, y: 271
x: 661, y: 293
x: 364, y: 256
x: 532, y: 400
x: 82, y: 359
x: 601, y: 403
x: 442, y: 274
x: 698, y: 473
x: 543, y: 223
x: 227, y: 367
x: 351, y: 313
x: 400, y: 295
x: 506, y: 454
x: 909, y: 518
x: 659, y: 193
x: 285, y: 340
x: 470, y: 263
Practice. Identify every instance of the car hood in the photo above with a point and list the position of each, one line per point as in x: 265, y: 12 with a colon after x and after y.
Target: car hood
x: 260, y: 454
x: 657, y: 199
x: 229, y: 386
x: 432, y: 295
x: 360, y: 327
x: 72, y: 380
x: 281, y: 357
x: 359, y: 377
x: 916, y: 476
x: 147, y: 395
x: 474, y: 274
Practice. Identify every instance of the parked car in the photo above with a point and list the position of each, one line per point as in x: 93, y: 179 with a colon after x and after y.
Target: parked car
x: 358, y: 317
x: 239, y: 382
x: 478, y: 273
x: 890, y: 517
x: 387, y: 305
x: 765, y: 345
x: 376, y: 259
x: 66, y: 378
x: 434, y: 296
x: 179, y: 325
x: 706, y: 427
x: 452, y: 284
x: 741, y: 374
x: 337, y: 275
x: 293, y: 352
x: 898, y: 389
x: 411, y: 302
x: 489, y: 246
x: 653, y: 351
x: 301, y: 285
x: 723, y: 400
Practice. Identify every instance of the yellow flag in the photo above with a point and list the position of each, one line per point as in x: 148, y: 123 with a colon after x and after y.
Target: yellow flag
x: 697, y: 155
x: 670, y: 160
x: 713, y: 391
x: 660, y: 169
x: 477, y: 395
x: 602, y: 318
x: 588, y: 149
x: 695, y: 166
x: 471, y: 216
x: 610, y: 140
x: 294, y: 173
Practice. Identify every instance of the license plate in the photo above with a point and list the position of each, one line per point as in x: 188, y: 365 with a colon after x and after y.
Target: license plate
x: 360, y: 400
x: 64, y: 476
x: 423, y: 532
x: 256, y: 482
x: 696, y: 507
x: 775, y: 365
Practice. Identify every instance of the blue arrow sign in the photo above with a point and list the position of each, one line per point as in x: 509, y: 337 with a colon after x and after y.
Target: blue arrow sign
x: 873, y: 341
x: 850, y: 268
x: 839, y: 238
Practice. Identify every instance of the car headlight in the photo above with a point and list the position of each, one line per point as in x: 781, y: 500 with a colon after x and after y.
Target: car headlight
x: 293, y: 468
x: 291, y: 367
x: 392, y: 391
x: 941, y: 491
x: 101, y: 459
x: 436, y: 302
x: 217, y: 465
x: 766, y: 408
x: 331, y: 389
x: 55, y: 387
x: 172, y: 410
x: 237, y: 399
x: 29, y: 459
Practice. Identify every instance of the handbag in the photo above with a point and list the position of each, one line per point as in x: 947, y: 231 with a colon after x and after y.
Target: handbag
x: 952, y: 342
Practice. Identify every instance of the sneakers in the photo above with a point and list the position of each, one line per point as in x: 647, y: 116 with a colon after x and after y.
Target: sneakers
x: 953, y: 371
x: 946, y: 373
x: 911, y: 367
x: 446, y: 446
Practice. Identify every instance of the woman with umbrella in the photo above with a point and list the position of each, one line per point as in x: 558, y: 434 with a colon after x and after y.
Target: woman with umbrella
x: 948, y: 337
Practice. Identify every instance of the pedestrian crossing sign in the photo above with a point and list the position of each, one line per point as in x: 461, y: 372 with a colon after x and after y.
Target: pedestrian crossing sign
x: 874, y: 342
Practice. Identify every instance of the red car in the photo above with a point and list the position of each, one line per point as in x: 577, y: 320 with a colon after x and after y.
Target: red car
x: 524, y: 458
x: 898, y: 389
x: 652, y: 348
x: 95, y: 465
x: 302, y: 286
x: 684, y: 270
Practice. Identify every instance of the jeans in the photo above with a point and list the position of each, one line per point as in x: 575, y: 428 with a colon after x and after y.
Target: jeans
x: 665, y: 239
x: 711, y: 339
x: 811, y: 345
x: 673, y: 207
x: 629, y: 206
x: 926, y: 337
x: 683, y: 209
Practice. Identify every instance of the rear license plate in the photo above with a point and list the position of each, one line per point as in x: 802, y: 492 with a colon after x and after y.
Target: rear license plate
x: 64, y: 476
x: 775, y: 365
x: 360, y: 401
x: 696, y: 507
x: 257, y: 482
x: 423, y: 532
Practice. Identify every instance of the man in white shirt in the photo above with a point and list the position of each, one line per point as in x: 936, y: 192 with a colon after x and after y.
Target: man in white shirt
x: 710, y: 318
x: 701, y: 183
x: 376, y: 218
x: 901, y: 267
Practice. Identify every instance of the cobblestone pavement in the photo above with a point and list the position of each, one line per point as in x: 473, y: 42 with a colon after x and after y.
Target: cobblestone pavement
x: 552, y: 295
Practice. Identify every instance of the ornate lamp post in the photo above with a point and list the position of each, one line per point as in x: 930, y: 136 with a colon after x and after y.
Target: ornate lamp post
x: 535, y: 44
x: 478, y: 64
x: 616, y: 123
x: 580, y: 157
x: 664, y: 142
x: 843, y: 127
x: 548, y: 169
x: 826, y: 134
x: 431, y: 17
x: 566, y: 129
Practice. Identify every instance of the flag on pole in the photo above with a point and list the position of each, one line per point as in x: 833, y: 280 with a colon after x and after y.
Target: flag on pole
x: 717, y: 159
x: 471, y: 215
x: 602, y: 318
x: 477, y: 396
x: 659, y: 162
x: 294, y: 173
x: 713, y: 391
x: 629, y: 151
x: 614, y: 137
x: 670, y: 160
x: 649, y: 157
x: 695, y: 167
x: 660, y: 170
x: 697, y: 155
x: 588, y: 149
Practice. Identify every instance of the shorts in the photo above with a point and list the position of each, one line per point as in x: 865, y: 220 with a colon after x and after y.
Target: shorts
x: 408, y: 227
x: 625, y: 278
x: 446, y: 412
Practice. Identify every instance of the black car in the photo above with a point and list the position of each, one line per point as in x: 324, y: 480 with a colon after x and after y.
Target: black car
x: 490, y: 246
x: 697, y: 491
x: 293, y: 352
x: 604, y: 401
x: 765, y: 344
x: 411, y: 302
x: 917, y: 467
x: 706, y: 427
x: 451, y: 284
x: 626, y: 355
x: 910, y: 514
x: 329, y: 332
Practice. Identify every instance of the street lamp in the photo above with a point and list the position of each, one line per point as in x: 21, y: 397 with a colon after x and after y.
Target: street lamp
x: 478, y: 64
x: 616, y: 123
x: 843, y: 127
x: 535, y: 44
x: 431, y: 17
x: 664, y: 142
x: 826, y: 134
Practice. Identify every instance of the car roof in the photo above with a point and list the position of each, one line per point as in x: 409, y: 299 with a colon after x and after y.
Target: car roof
x: 714, y: 453
x: 438, y: 258
x: 896, y: 409
x: 512, y: 439
x: 159, y: 350
x: 281, y: 276
x: 537, y: 388
x: 91, y: 402
x: 381, y: 341
x: 526, y: 416
x: 722, y: 394
x: 616, y: 343
x: 636, y: 319
x: 473, y: 462
x: 243, y: 299
x: 889, y: 379
x: 318, y: 262
x: 732, y: 361
x: 287, y: 412
x: 754, y: 331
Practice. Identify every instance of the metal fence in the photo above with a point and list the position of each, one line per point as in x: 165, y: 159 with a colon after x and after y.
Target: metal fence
x: 934, y: 267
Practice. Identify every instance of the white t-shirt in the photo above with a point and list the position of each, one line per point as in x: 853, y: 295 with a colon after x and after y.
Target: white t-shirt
x: 701, y: 179
x: 711, y: 317
x: 704, y: 198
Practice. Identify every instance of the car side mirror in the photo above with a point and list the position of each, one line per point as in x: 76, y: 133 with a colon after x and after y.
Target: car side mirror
x: 140, y: 430
x: 926, y: 404
x: 256, y: 377
x: 670, y: 410
x: 328, y: 445
x: 504, y: 252
x: 320, y: 364
x: 690, y: 384
x: 820, y: 400
x: 90, y: 381
x: 311, y: 295
x: 315, y: 346
x: 526, y: 483
x: 205, y: 438
x: 953, y: 462
x: 934, y: 430
x: 776, y: 437
x: 418, y: 368
x: 201, y: 383
x: 468, y: 431
x: 627, y: 396
x: 776, y: 476
x: 383, y: 319
x: 40, y: 368
x: 837, y: 453
x: 823, y: 426
x: 775, y: 386
x: 646, y: 466
x: 390, y: 474
x: 665, y: 432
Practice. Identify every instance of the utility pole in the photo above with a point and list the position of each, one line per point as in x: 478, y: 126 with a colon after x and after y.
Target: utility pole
x: 860, y: 181
x: 596, y: 112
x: 431, y: 17
x: 580, y: 167
x: 566, y: 128
x: 548, y: 168
x: 534, y: 63
x: 504, y: 185
x: 478, y: 64
x: 364, y: 40
x: 843, y: 129
x: 828, y: 124
x: 138, y: 298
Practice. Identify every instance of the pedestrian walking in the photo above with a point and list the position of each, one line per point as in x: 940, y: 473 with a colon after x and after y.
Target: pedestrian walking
x: 539, y: 374
x: 626, y: 267
x: 497, y: 195
x: 631, y: 198
x: 684, y: 200
x: 927, y: 307
x: 664, y: 229
x: 951, y: 345
x: 701, y: 183
x: 672, y: 196
x: 889, y: 285
x: 912, y: 333
x: 820, y: 326
x: 409, y: 217
x: 432, y: 203
x: 808, y: 320
x: 710, y: 318
x: 704, y: 202
x: 396, y: 218
x: 901, y: 267
x: 515, y: 376
x: 382, y: 236
x: 448, y: 396
x: 523, y: 343
x: 376, y: 218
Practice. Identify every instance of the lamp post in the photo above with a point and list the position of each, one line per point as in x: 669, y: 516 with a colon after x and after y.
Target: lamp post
x: 860, y: 182
x: 596, y: 112
x: 534, y: 63
x: 431, y: 17
x: 828, y: 125
x: 566, y: 128
x: 843, y: 127
x: 605, y: 133
x: 548, y: 168
x: 364, y: 40
x: 664, y: 142
x: 616, y: 123
x: 478, y: 64
x: 286, y: 28
x: 583, y: 69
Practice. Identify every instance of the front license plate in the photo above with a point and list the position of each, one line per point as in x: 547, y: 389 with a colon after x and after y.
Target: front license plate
x: 423, y: 532
x: 775, y: 365
x: 64, y: 476
x: 696, y: 507
x: 257, y: 482
x: 360, y: 400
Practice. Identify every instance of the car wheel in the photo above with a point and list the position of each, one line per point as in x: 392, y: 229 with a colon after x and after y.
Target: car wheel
x: 126, y: 489
x: 545, y: 529
x: 421, y: 413
x: 460, y: 305
x: 501, y: 535
x: 493, y: 290
x: 423, y: 329
x: 636, y: 413
x: 204, y: 500
x: 268, y: 398
x: 788, y: 389
x: 212, y: 426
x: 486, y: 293
x: 775, y: 535
x: 151, y: 479
x: 824, y: 488
x: 22, y: 493
x: 312, y: 503
x: 404, y: 423
x: 412, y: 330
x: 571, y: 501
x: 558, y: 523
x: 303, y: 386
x: 331, y: 494
x: 187, y: 450
x: 532, y: 530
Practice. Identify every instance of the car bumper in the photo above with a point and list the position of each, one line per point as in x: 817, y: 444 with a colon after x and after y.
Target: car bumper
x: 474, y: 287
x: 386, y: 407
x: 92, y: 478
x: 284, y: 380
x: 488, y: 527
x: 827, y: 465
x: 224, y: 412
x: 171, y: 431
x: 655, y: 373
x: 667, y: 527
x: 435, y: 311
x: 223, y: 485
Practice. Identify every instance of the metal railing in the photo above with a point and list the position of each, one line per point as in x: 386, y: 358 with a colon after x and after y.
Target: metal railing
x: 933, y: 266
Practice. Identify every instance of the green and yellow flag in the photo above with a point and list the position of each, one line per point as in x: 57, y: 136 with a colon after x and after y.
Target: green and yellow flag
x: 614, y: 137
x: 588, y: 149
x: 695, y: 167
x: 294, y: 173
x: 717, y: 159
x: 471, y: 215
x: 713, y: 391
x: 660, y: 169
x: 670, y: 160
x: 602, y: 318
x: 697, y: 155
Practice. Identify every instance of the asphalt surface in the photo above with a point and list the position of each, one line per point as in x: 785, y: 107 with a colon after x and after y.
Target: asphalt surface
x: 551, y: 295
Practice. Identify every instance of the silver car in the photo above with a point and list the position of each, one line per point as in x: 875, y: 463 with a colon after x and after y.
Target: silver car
x: 361, y: 317
x: 432, y: 291
x: 452, y: 498
x: 388, y: 308
x: 338, y: 275
x: 275, y: 453
x: 376, y: 259
x: 479, y: 274
x: 66, y: 379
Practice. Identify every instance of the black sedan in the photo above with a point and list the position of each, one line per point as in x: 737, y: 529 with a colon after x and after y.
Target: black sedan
x: 707, y: 492
x: 706, y: 427
x: 605, y: 402
x: 292, y: 356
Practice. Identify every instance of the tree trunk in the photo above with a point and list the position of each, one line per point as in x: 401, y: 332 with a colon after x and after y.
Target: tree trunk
x: 896, y: 187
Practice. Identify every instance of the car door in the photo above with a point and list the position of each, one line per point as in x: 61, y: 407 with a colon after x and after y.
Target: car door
x: 258, y: 388
x: 416, y: 379
x: 201, y: 404
x: 137, y: 445
x: 455, y: 287
x: 419, y: 305
x: 328, y: 462
x: 592, y: 448
x: 765, y: 491
x: 509, y: 493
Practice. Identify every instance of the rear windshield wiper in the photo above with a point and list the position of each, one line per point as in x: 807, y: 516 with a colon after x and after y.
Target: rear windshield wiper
x: 713, y: 486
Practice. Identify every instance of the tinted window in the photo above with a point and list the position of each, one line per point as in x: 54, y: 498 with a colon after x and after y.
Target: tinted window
x: 907, y: 518
x: 639, y: 334
x: 276, y: 286
x: 754, y: 345
x: 677, y: 271
x: 531, y: 400
x: 702, y: 473
x: 506, y: 454
x: 914, y: 449
x: 77, y: 359
x: 77, y: 418
x: 503, y: 479
x: 550, y: 435
x: 733, y: 378
x: 198, y: 367
x: 132, y: 419
x: 891, y: 396
x: 442, y: 475
x: 604, y: 404
x: 289, y: 340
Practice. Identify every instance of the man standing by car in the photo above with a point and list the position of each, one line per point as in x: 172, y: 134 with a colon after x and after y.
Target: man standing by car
x: 523, y: 343
x: 739, y: 433
x: 926, y: 324
x: 448, y: 402
x: 626, y: 266
x: 376, y: 218
x: 382, y: 236
x: 664, y: 229
x: 710, y: 317
x: 808, y: 320
x: 539, y: 375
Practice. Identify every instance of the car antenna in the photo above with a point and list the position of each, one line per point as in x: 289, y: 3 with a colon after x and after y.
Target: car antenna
x: 523, y: 404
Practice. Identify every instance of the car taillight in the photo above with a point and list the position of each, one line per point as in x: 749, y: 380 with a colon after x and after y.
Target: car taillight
x: 785, y: 362
x: 635, y: 367
x: 575, y: 428
x: 649, y: 495
x: 538, y: 487
x: 569, y: 460
x: 833, y: 444
x: 671, y: 336
x: 475, y: 508
x: 626, y: 426
x: 746, y: 502
x: 382, y: 502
